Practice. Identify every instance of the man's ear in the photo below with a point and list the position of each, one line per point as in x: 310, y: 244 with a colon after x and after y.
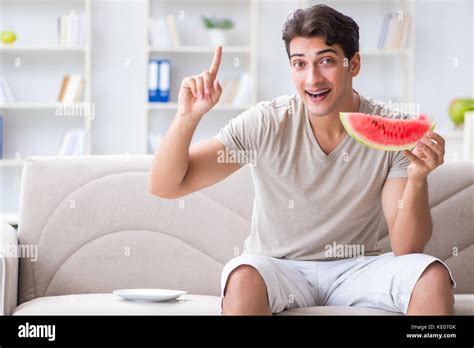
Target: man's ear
x: 354, y: 67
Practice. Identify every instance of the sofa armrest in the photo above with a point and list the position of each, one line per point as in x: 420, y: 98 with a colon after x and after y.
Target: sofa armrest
x: 8, y: 269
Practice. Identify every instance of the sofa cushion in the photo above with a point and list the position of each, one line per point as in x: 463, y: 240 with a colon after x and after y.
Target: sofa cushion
x: 109, y: 304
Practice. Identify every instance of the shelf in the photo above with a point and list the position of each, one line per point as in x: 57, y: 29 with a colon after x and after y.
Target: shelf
x: 210, y: 1
x: 39, y: 105
x: 174, y: 106
x: 41, y: 48
x: 11, y: 162
x: 200, y: 49
x: 384, y: 52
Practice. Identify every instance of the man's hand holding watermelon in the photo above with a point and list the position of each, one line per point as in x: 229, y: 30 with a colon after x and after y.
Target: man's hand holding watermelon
x: 427, y: 155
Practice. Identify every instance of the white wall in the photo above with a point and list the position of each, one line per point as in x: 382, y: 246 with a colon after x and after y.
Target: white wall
x: 444, y: 37
x: 118, y: 76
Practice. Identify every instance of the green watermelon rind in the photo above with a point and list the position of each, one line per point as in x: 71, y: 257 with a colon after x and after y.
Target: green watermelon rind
x: 409, y: 146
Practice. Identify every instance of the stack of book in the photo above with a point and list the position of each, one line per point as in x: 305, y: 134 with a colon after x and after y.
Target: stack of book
x: 72, y: 89
x: 236, y: 91
x: 5, y: 93
x: 163, y: 32
x: 394, y: 32
x: 72, y: 29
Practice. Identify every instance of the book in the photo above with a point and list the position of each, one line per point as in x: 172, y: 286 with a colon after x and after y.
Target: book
x: 72, y: 29
x: 383, y: 32
x: 72, y: 89
x: 393, y: 41
x: 224, y: 86
x: 159, y: 80
x: 72, y: 143
x: 173, y: 30
x: 82, y: 29
x: 159, y: 35
x: 5, y: 92
x: 62, y: 91
x: 242, y: 95
x: 227, y: 87
x: 233, y: 91
x: 394, y: 32
x: 405, y: 32
x: 1, y: 136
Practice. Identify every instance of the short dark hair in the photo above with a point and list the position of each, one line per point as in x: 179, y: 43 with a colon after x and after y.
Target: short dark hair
x: 323, y: 21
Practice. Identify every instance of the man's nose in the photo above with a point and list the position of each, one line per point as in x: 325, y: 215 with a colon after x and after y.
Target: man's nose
x: 314, y: 76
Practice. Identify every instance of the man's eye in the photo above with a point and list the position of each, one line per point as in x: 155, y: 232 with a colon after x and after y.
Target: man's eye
x: 327, y: 61
x: 298, y: 64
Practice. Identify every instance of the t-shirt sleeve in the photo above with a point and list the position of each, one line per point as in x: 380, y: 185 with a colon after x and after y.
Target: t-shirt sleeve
x: 398, y: 166
x: 244, y: 134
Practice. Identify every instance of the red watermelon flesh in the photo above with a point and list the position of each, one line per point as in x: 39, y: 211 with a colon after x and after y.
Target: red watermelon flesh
x: 385, y: 133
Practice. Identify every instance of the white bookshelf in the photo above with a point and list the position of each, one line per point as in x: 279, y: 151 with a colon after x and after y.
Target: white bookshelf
x: 195, y: 51
x: 40, y: 105
x: 31, y: 126
x: 39, y: 48
x: 26, y: 47
x: 200, y: 49
x: 381, y: 52
x: 174, y: 106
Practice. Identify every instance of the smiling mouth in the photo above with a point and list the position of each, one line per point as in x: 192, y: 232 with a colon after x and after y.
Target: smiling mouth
x: 319, y: 94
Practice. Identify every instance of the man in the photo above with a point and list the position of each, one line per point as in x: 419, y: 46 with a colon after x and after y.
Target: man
x: 317, y: 190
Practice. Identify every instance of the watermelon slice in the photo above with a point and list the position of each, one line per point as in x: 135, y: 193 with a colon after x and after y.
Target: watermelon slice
x: 383, y: 133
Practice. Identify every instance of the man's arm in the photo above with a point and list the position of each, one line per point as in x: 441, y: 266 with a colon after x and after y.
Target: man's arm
x: 178, y: 170
x: 405, y: 201
x: 406, y: 209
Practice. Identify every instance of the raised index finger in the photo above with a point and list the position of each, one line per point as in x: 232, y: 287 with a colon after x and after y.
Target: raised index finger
x: 216, y: 62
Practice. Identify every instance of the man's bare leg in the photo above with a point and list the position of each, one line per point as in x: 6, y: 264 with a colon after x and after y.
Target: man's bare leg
x: 432, y: 294
x: 245, y: 293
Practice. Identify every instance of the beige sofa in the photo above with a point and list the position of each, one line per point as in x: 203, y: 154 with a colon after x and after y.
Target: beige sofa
x: 97, y: 228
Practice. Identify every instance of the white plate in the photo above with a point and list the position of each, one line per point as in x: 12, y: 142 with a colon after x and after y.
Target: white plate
x: 153, y: 295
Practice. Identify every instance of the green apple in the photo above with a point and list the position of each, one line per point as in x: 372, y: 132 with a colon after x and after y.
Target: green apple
x: 458, y: 107
x: 8, y: 37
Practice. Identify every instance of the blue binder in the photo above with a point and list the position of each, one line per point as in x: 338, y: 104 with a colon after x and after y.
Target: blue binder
x: 159, y: 80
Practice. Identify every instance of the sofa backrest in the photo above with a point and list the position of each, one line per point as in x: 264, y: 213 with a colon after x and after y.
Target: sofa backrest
x: 97, y: 228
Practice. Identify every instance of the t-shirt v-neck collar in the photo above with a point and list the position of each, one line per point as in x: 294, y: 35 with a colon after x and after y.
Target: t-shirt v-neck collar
x: 315, y: 143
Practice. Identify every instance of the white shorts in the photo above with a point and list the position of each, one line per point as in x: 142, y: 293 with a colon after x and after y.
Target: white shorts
x: 382, y: 281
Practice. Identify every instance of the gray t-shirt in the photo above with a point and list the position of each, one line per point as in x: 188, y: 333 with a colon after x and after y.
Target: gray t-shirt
x: 309, y: 205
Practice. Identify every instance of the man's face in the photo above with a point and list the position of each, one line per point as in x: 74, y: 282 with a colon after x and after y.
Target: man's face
x: 322, y: 75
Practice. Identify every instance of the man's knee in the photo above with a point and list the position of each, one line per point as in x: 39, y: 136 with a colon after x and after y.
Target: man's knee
x: 436, y: 274
x: 433, y: 292
x: 245, y: 293
x: 435, y: 277
x: 244, y: 279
